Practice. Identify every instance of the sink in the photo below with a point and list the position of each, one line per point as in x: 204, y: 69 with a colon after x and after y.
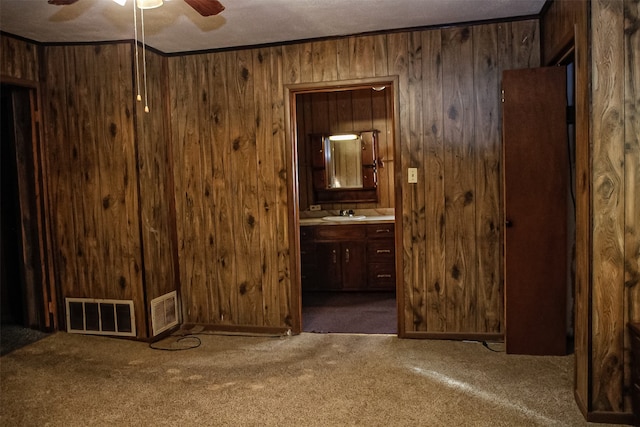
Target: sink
x: 344, y: 218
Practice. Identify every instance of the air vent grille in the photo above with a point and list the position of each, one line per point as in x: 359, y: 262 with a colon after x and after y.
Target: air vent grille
x: 101, y: 317
x: 164, y: 312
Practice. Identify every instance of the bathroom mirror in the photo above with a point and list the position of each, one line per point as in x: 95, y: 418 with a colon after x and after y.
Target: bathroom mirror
x: 344, y: 166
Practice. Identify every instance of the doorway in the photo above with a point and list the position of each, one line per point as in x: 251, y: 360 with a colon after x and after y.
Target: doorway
x: 343, y: 107
x: 23, y: 271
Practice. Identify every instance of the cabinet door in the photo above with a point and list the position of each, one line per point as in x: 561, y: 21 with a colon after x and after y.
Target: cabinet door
x: 318, y: 162
x: 329, y: 271
x: 354, y: 275
x: 369, y: 146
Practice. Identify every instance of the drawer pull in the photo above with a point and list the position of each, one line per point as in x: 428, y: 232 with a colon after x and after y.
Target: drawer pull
x: 347, y: 255
x: 334, y: 256
x: 383, y: 251
x: 383, y: 230
x: 383, y: 276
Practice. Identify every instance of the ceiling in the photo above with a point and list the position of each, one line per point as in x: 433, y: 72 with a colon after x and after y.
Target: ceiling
x: 176, y: 27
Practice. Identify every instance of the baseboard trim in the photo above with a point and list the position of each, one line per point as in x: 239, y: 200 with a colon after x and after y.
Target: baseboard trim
x: 473, y: 336
x: 611, y: 417
x: 602, y: 417
x: 192, y: 328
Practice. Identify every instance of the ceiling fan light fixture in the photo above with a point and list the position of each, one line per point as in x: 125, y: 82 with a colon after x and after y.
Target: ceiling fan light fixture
x: 120, y: 2
x: 149, y: 4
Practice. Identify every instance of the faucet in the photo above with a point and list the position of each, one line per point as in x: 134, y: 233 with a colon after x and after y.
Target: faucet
x: 344, y: 212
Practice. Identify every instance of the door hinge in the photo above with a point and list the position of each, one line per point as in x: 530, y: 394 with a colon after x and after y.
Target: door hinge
x: 502, y: 96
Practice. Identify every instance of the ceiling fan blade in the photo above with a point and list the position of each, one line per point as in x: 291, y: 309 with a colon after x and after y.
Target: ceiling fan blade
x: 206, y: 7
x: 62, y: 2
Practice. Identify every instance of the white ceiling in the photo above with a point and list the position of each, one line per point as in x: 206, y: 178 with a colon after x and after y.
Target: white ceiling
x: 176, y: 27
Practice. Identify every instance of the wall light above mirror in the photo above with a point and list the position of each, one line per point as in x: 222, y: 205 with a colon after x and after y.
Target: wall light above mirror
x: 344, y: 166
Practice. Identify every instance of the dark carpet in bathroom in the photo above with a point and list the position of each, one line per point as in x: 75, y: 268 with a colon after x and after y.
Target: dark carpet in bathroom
x: 349, y: 312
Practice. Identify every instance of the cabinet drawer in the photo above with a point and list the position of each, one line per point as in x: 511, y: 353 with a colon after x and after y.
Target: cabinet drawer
x: 382, y: 276
x: 306, y: 233
x: 381, y: 251
x: 340, y: 232
x: 380, y: 231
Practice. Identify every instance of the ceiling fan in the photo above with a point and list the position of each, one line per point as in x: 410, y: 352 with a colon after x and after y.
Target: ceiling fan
x: 203, y: 7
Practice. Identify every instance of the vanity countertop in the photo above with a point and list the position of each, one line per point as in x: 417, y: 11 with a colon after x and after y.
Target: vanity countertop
x: 373, y: 219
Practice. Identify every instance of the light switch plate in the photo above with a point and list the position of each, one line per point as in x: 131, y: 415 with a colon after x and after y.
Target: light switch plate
x: 413, y: 175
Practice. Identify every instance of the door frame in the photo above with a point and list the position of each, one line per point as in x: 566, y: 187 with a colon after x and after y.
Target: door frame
x: 45, y: 307
x: 291, y: 90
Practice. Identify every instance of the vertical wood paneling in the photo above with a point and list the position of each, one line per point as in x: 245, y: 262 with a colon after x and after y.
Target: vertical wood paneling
x: 325, y: 59
x: 154, y: 170
x: 361, y: 57
x: 266, y: 176
x: 288, y: 297
x: 582, y: 300
x: 224, y: 266
x: 98, y: 167
x: 608, y: 207
x: 435, y: 310
x: 632, y: 159
x: 18, y: 59
x: 415, y: 193
x: 558, y: 28
x: 487, y: 143
x: 61, y: 192
x: 631, y: 304
x: 460, y: 194
x: 397, y: 47
x: 188, y: 179
x: 380, y: 55
x: 244, y: 163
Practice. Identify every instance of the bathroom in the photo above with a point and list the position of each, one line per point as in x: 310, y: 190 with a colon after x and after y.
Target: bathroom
x: 346, y: 200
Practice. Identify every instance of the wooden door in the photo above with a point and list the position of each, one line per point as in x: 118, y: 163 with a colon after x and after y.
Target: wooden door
x: 535, y: 202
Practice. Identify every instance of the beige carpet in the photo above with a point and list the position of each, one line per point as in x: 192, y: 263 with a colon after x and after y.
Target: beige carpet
x: 304, y: 380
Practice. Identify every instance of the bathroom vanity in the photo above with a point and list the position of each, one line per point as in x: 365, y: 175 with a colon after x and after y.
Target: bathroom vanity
x: 347, y: 256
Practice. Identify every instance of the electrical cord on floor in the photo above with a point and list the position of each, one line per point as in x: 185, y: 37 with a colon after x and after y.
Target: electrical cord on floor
x: 181, y: 337
x: 197, y: 344
x: 486, y: 345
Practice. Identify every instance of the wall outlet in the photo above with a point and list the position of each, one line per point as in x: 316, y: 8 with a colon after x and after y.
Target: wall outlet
x: 315, y: 207
x: 413, y: 175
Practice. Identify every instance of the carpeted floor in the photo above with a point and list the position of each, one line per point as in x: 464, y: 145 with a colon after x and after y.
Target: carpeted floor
x: 304, y: 380
x: 350, y: 312
x: 13, y: 337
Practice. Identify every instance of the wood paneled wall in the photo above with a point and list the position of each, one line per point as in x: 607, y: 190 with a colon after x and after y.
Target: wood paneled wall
x: 92, y: 178
x: 608, y: 188
x: 616, y: 198
x: 110, y: 176
x: 231, y: 187
x: 346, y: 111
x: 230, y: 163
x: 155, y: 184
x: 18, y: 59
